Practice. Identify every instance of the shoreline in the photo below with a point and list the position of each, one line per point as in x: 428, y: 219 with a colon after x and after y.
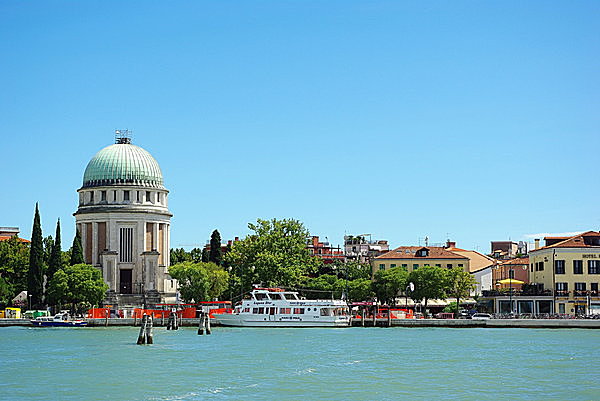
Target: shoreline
x: 408, y: 323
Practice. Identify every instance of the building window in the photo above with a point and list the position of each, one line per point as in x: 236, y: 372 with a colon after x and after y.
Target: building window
x: 532, y: 267
x: 91, y: 196
x: 103, y: 196
x: 579, y: 289
x: 148, y: 196
x: 405, y: 266
x: 594, y: 288
x: 539, y: 266
x: 114, y: 196
x: 138, y: 196
x: 126, y: 245
x: 561, y: 308
x: 593, y: 266
x: 126, y: 196
x: 438, y: 265
x: 511, y: 274
x: 562, y: 289
x: 460, y: 265
x: 392, y: 265
x: 578, y: 267
x: 415, y: 266
x: 559, y: 267
x: 449, y: 265
x: 159, y: 197
x: 382, y: 266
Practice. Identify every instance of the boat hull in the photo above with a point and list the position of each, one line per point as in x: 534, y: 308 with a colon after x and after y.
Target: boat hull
x: 59, y: 324
x: 234, y: 320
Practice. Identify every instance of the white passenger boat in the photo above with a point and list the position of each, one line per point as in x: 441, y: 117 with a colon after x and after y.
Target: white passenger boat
x: 62, y: 319
x: 274, y: 307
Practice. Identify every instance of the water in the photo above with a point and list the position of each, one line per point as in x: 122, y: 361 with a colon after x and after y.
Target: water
x: 285, y: 364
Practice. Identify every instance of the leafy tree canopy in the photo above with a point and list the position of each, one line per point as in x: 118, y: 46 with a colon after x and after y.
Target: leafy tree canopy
x: 199, y: 281
x: 179, y: 255
x: 76, y: 284
x: 76, y: 250
x: 430, y: 283
x: 459, y: 284
x: 275, y: 253
x: 388, y: 284
x: 14, y: 264
x: 216, y: 254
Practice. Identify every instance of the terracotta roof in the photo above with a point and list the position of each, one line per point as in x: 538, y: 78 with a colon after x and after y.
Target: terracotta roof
x: 516, y: 261
x: 477, y: 261
x: 576, y: 241
x: 409, y: 252
x: 7, y: 237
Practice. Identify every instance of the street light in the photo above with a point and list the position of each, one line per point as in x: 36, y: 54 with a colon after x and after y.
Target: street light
x: 410, y: 287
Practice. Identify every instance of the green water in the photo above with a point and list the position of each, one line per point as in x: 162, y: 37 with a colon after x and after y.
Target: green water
x: 286, y: 364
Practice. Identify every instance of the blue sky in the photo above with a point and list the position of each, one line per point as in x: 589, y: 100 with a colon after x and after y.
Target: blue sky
x: 476, y: 121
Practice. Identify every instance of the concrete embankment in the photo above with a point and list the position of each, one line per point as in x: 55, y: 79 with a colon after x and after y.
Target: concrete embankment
x: 452, y: 323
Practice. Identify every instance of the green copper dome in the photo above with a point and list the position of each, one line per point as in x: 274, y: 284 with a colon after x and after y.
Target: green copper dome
x: 123, y: 164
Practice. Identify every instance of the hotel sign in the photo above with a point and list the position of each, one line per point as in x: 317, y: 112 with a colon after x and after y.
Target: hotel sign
x: 589, y: 256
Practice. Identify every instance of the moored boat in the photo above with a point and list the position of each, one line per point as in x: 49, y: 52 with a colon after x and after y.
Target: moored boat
x: 275, y: 307
x: 62, y: 319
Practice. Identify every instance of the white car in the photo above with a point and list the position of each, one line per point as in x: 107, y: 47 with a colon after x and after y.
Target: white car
x: 481, y: 316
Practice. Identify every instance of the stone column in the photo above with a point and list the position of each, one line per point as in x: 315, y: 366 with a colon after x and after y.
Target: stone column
x: 95, y: 259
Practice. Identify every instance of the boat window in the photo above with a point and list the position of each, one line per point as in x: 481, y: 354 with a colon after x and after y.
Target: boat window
x: 272, y: 311
x: 290, y: 296
x: 260, y: 296
x: 285, y: 311
x: 261, y: 311
x: 255, y: 311
x: 246, y: 310
x: 325, y: 311
x: 298, y: 311
x: 275, y: 296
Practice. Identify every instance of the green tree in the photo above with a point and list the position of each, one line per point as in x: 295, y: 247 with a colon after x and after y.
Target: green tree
x: 387, y: 284
x: 199, y: 281
x: 216, y: 254
x: 360, y: 289
x: 205, y: 255
x: 459, y: 284
x: 35, y: 276
x: 430, y: 283
x: 55, y: 262
x: 14, y: 266
x: 196, y: 255
x: 355, y: 270
x: 275, y: 254
x: 76, y: 250
x: 48, y: 244
x: 77, y: 284
x: 179, y: 255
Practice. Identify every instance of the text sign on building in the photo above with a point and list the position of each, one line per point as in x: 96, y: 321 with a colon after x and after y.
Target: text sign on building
x: 589, y: 256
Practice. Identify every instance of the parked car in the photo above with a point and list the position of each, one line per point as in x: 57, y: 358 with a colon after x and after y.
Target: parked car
x: 481, y: 316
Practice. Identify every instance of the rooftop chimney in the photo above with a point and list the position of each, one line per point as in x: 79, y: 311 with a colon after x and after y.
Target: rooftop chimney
x: 537, y: 243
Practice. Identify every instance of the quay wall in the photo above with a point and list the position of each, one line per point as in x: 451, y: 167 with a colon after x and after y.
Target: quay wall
x: 452, y: 323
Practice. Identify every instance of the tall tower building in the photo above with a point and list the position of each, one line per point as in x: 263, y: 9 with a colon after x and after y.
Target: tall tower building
x: 124, y: 221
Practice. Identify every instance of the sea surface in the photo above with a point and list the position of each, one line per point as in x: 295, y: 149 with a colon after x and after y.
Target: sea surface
x: 294, y: 364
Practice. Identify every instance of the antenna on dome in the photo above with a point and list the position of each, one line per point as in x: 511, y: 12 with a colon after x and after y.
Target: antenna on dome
x: 123, y: 136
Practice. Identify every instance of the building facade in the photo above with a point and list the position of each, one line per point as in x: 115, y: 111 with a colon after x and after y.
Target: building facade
x: 124, y: 222
x: 570, y: 268
x: 413, y: 257
x: 360, y: 249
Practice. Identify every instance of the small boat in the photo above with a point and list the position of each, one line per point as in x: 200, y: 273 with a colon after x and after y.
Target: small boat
x: 59, y: 320
x: 275, y: 307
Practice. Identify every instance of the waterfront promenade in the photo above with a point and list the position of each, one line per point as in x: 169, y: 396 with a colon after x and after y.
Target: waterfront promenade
x: 448, y: 323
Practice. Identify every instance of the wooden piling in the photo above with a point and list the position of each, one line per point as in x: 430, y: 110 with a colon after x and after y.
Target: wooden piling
x: 142, y: 336
x: 374, y: 318
x: 201, y: 324
x: 106, y: 320
x: 149, y: 338
x: 208, y: 323
x: 389, y: 318
x: 362, y: 317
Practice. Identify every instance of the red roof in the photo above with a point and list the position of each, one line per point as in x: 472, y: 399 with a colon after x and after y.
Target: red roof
x: 410, y: 252
x: 7, y: 237
x: 588, y: 239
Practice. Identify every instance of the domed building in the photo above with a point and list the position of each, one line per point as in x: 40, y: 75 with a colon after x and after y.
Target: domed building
x: 124, y: 222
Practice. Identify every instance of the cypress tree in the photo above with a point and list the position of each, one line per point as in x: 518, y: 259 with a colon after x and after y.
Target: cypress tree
x: 56, y: 256
x: 35, y: 276
x: 216, y: 255
x: 77, y: 250
x: 205, y: 255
